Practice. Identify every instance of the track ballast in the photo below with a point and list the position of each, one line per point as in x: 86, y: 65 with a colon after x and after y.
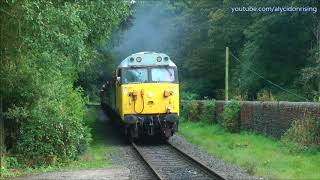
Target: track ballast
x: 168, y: 162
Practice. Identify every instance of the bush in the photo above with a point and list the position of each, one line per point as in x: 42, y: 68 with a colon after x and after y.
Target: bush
x: 231, y: 116
x: 189, y: 96
x: 208, y: 110
x: 303, y: 135
x: 265, y: 95
x: 190, y: 110
x: 195, y: 111
x: 52, y: 130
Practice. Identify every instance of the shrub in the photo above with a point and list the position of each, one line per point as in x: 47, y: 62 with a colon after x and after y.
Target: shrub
x: 191, y: 110
x: 10, y: 162
x: 303, y: 135
x: 231, y: 116
x: 52, y: 130
x: 189, y: 96
x: 208, y: 110
x: 265, y: 95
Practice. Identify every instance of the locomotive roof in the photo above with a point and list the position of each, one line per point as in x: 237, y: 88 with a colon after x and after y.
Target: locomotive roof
x: 147, y: 59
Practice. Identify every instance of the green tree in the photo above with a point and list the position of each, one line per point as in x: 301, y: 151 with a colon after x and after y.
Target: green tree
x: 45, y: 45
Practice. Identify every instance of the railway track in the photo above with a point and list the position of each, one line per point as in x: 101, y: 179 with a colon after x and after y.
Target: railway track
x: 168, y: 162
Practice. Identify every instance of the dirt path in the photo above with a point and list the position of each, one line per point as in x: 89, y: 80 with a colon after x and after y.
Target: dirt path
x: 120, y: 173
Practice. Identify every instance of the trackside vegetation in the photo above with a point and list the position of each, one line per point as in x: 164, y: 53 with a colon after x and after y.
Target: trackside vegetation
x: 46, y: 46
x: 231, y: 116
x: 258, y: 155
x: 303, y: 136
x: 96, y: 155
x: 191, y: 110
x: 295, y: 156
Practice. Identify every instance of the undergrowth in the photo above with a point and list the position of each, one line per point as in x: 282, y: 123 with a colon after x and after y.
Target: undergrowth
x: 94, y: 156
x: 207, y: 110
x: 191, y: 110
x: 194, y: 110
x: 231, y: 116
x: 304, y: 135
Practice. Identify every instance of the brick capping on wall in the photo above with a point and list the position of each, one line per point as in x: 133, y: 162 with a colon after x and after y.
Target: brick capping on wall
x: 271, y: 118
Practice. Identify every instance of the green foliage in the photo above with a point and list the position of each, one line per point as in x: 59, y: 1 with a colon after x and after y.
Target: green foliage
x: 208, y: 110
x: 193, y: 110
x: 94, y: 157
x: 265, y: 95
x: 310, y: 78
x: 52, y: 130
x: 190, y: 110
x: 266, y: 36
x: 11, y: 162
x: 188, y: 96
x: 45, y: 47
x: 5, y: 173
x: 303, y: 135
x: 263, y: 42
x: 231, y: 116
x: 7, y: 163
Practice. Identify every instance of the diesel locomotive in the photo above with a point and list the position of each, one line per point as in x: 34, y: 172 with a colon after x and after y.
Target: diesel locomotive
x: 144, y: 95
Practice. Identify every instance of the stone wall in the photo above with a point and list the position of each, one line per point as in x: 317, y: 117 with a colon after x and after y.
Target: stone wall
x: 270, y: 118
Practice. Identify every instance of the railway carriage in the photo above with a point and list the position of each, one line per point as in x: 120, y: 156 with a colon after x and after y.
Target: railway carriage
x: 144, y: 95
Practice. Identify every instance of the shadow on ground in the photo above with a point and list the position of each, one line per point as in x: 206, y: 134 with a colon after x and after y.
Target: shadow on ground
x: 110, y: 131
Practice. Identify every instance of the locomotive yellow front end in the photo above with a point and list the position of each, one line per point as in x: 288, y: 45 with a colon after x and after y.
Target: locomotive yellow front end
x: 147, y: 95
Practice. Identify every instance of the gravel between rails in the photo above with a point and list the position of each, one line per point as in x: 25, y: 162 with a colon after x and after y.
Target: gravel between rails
x: 224, y: 169
x: 171, y: 164
x: 129, y: 158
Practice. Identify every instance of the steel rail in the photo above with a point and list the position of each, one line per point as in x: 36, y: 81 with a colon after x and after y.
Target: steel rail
x: 147, y: 163
x: 185, y: 156
x: 197, y: 162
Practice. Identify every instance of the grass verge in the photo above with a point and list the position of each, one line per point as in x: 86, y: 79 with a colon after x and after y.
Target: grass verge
x: 258, y: 155
x: 95, y: 157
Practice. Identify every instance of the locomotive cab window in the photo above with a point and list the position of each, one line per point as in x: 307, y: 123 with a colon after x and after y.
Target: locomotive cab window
x: 135, y: 75
x: 164, y: 74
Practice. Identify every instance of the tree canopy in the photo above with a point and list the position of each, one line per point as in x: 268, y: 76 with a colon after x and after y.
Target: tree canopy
x: 282, y: 48
x: 45, y: 46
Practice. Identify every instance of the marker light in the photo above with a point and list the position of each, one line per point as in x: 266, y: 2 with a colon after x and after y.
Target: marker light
x: 138, y: 59
x: 159, y: 59
x: 131, y: 59
x: 166, y: 58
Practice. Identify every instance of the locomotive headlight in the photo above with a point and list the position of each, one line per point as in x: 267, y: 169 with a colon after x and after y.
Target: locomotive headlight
x: 168, y: 109
x: 138, y: 59
x: 159, y: 59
